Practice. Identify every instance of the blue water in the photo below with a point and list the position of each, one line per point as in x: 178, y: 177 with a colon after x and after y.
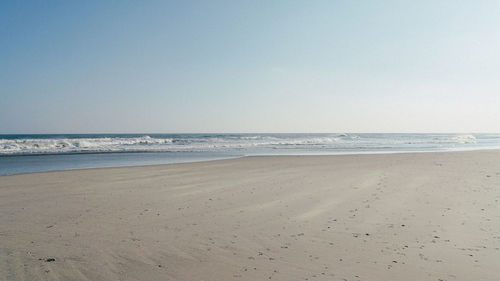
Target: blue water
x: 36, y: 153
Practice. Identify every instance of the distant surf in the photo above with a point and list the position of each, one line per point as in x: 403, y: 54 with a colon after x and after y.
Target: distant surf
x: 36, y: 153
x: 243, y: 143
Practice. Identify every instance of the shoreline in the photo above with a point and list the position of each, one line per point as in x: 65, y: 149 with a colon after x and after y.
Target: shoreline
x: 413, y: 216
x: 238, y: 157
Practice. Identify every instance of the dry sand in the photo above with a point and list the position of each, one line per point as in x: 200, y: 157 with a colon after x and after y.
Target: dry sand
x: 427, y: 216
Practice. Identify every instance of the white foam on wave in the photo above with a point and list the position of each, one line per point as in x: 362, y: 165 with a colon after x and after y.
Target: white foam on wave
x: 464, y: 139
x: 307, y: 141
x: 68, y: 145
x: 147, y: 143
x: 215, y: 143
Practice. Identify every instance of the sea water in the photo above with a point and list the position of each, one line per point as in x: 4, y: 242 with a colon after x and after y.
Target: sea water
x: 36, y: 153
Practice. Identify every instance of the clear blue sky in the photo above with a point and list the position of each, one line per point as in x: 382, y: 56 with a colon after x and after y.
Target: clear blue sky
x: 249, y: 66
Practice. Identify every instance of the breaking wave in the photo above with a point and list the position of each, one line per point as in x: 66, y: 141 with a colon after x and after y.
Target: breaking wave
x: 54, y: 144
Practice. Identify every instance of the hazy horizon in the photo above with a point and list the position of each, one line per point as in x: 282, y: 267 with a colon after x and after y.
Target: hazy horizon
x: 249, y: 67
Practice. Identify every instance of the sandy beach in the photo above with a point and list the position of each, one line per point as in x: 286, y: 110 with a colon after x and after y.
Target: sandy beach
x: 421, y: 216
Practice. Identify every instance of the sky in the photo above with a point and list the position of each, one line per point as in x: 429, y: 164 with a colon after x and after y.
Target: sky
x: 249, y: 66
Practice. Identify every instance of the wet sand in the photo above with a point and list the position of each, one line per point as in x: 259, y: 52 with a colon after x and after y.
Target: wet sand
x: 426, y: 216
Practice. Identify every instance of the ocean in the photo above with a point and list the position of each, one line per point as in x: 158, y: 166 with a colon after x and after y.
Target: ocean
x: 37, y: 153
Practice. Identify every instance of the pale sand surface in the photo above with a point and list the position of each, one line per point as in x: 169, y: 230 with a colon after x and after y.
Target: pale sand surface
x: 427, y: 216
